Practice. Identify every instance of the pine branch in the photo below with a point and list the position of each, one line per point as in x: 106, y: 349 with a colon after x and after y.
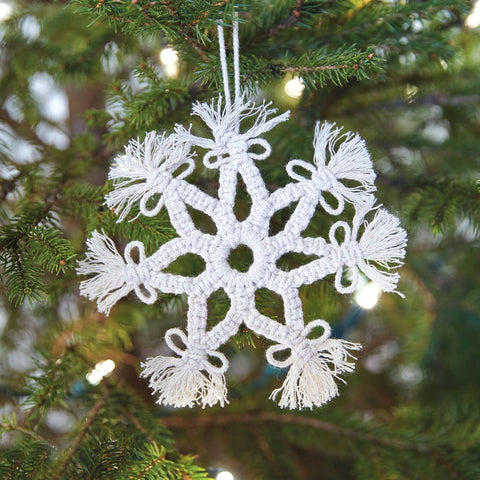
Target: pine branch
x: 293, y: 18
x: 317, y: 68
x: 196, y: 46
x: 140, y: 427
x: 176, y: 21
x: 13, y: 427
x: 91, y: 417
x: 152, y: 464
x: 267, y: 417
x: 28, y: 245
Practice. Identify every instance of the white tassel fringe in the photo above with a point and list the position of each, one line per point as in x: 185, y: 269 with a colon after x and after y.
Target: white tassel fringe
x: 384, y: 242
x: 181, y: 384
x: 108, y: 284
x: 350, y: 161
x: 223, y: 121
x: 138, y: 172
x: 311, y: 381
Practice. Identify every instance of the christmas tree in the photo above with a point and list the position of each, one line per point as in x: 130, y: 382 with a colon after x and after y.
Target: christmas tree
x: 80, y: 79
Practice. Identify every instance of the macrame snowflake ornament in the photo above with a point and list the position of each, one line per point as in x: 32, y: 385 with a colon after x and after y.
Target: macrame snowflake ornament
x: 147, y: 175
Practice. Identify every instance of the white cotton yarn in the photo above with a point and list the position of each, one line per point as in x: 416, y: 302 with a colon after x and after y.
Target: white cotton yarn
x: 147, y: 175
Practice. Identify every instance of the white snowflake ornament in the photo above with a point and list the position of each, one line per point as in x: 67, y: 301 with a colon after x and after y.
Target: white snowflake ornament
x: 147, y: 175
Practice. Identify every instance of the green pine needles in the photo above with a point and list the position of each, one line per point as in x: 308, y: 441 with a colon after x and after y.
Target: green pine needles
x: 117, y: 437
x: 31, y: 247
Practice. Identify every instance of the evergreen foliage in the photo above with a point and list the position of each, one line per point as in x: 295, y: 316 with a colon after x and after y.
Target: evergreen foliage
x: 403, y: 74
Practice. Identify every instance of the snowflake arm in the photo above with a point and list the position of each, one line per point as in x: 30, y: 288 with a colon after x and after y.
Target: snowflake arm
x: 114, y: 276
x: 350, y: 161
x: 151, y: 171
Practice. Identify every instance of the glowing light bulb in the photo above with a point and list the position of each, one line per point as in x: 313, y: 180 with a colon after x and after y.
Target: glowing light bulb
x: 6, y: 10
x: 368, y: 295
x: 102, y: 369
x: 168, y: 56
x: 169, y: 59
x: 225, y: 476
x: 473, y: 20
x: 105, y: 367
x: 294, y: 88
x: 94, y: 377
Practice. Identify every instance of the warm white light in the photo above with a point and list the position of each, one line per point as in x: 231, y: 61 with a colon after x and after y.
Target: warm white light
x: 295, y: 87
x: 473, y: 20
x: 225, y: 476
x: 102, y: 369
x: 94, y: 377
x: 169, y: 59
x: 105, y: 367
x: 368, y: 295
x: 6, y: 10
x: 168, y: 56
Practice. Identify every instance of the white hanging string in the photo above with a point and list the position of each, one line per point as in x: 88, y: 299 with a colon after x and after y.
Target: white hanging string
x: 223, y: 61
x: 236, y: 64
x: 236, y: 59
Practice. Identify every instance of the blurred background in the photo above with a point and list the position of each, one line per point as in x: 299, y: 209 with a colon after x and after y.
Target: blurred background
x: 78, y: 79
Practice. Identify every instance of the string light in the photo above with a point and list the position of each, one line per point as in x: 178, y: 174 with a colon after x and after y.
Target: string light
x: 101, y: 370
x: 6, y: 10
x: 473, y: 20
x: 367, y: 296
x: 225, y: 476
x: 294, y: 88
x: 169, y: 59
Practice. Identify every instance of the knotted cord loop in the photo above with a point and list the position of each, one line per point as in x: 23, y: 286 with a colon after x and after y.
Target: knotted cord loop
x: 348, y: 254
x: 300, y: 346
x: 195, y: 355
x: 136, y: 273
x: 235, y: 146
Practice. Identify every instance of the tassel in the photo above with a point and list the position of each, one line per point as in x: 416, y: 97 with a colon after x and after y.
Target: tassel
x: 222, y: 120
x: 181, y: 383
x: 310, y: 379
x: 383, y: 242
x: 108, y: 285
x: 144, y: 170
x: 350, y: 161
x: 225, y: 121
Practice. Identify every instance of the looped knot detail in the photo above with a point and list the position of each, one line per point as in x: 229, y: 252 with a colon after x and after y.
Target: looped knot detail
x: 322, y: 177
x: 325, y: 179
x: 136, y: 274
x: 236, y: 147
x: 159, y: 180
x: 131, y: 274
x: 300, y: 346
x: 194, y: 355
x: 350, y: 253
